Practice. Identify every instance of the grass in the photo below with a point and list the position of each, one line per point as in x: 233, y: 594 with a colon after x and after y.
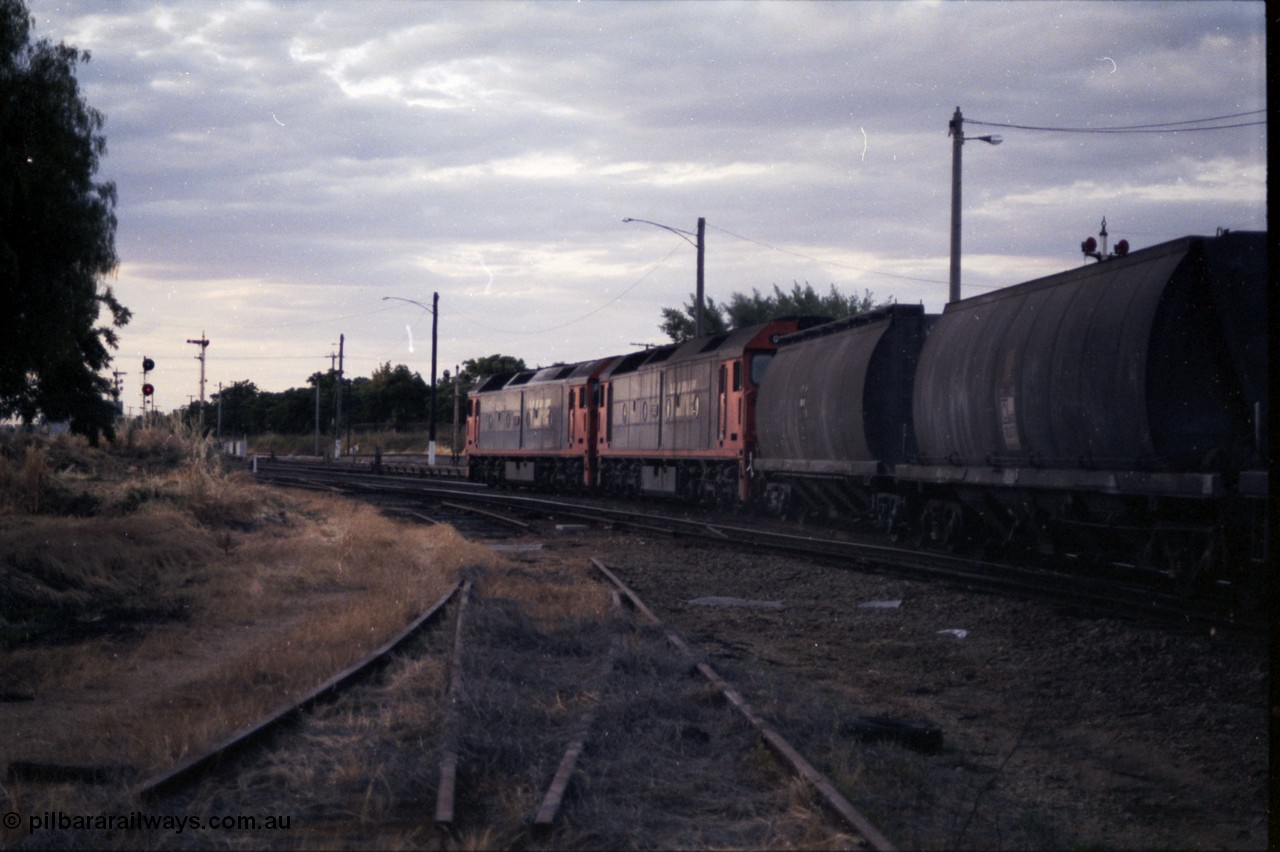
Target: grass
x: 192, y: 600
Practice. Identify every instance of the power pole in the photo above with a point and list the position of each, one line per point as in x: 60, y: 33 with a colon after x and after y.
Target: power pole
x: 702, y: 251
x: 118, y: 389
x: 203, y: 343
x: 955, y: 129
x: 431, y: 426
x: 337, y: 411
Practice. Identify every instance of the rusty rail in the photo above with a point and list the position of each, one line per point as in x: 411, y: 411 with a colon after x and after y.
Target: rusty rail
x: 445, y: 791
x: 819, y: 782
x: 551, y: 802
x: 197, y: 765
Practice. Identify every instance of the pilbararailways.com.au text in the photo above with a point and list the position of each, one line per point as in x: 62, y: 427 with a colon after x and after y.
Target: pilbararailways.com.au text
x: 140, y: 821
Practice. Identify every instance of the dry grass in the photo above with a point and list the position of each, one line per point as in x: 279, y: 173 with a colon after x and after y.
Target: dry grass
x: 193, y: 603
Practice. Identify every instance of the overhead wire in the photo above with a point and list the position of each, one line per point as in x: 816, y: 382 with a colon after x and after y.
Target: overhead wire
x: 1161, y: 127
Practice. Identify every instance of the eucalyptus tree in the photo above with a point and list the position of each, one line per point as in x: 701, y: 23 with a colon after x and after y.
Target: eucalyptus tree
x: 57, y: 237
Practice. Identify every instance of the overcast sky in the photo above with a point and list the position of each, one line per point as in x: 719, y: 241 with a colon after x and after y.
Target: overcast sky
x: 282, y: 167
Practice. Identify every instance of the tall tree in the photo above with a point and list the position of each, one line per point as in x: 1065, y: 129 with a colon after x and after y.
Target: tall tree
x: 396, y: 396
x: 57, y: 236
x: 743, y: 310
x: 681, y: 323
x: 474, y: 369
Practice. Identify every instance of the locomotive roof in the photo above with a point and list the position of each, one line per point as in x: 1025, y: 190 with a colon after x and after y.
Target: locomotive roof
x: 724, y: 345
x: 541, y: 375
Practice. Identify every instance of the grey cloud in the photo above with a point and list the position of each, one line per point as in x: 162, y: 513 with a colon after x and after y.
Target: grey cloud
x: 377, y: 148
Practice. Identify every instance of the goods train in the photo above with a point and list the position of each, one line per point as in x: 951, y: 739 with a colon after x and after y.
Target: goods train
x: 1113, y: 412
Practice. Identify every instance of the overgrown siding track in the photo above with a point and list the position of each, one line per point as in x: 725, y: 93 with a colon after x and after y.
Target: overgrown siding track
x: 197, y: 766
x: 506, y: 732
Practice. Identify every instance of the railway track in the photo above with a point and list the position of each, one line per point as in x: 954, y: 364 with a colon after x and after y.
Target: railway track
x: 518, y: 725
x: 1090, y: 594
x: 572, y: 732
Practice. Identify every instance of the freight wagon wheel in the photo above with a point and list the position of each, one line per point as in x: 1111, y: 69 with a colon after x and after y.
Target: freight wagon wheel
x: 940, y: 525
x: 1185, y: 556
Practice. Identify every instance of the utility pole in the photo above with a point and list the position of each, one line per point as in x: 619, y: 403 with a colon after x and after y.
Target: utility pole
x: 702, y: 251
x: 955, y: 129
x: 337, y: 402
x: 118, y: 389
x: 203, y: 343
x: 218, y: 434
x: 431, y: 435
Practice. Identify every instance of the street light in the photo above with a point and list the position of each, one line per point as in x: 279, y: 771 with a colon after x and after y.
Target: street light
x: 956, y: 132
x: 700, y: 245
x: 434, y: 310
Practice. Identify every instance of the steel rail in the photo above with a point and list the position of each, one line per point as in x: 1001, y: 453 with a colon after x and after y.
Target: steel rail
x: 197, y: 765
x: 447, y: 788
x: 491, y: 515
x: 785, y: 751
x: 554, y: 797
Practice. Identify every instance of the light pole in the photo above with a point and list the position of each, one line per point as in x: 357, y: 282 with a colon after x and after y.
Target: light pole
x: 956, y: 132
x: 435, y: 322
x: 700, y: 245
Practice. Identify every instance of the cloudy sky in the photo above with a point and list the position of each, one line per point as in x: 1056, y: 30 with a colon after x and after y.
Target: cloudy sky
x: 284, y: 166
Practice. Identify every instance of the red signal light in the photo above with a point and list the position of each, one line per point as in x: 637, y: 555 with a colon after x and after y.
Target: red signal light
x: 148, y: 389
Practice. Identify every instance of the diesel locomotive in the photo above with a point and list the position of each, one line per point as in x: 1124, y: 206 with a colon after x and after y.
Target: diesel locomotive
x: 1112, y: 412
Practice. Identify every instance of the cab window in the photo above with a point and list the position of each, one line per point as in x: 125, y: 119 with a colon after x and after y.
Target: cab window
x: 759, y: 364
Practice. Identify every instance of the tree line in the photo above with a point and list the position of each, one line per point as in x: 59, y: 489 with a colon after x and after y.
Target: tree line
x: 743, y: 310
x: 392, y: 399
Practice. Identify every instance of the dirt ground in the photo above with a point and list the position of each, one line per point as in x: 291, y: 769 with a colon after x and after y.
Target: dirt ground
x: 1059, y: 731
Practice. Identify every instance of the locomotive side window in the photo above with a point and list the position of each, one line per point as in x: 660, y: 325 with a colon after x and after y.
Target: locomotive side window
x: 759, y: 364
x: 737, y: 375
